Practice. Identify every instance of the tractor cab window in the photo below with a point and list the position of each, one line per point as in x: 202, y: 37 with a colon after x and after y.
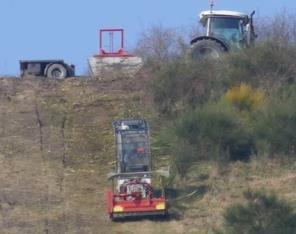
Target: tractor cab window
x: 135, y: 153
x: 228, y: 30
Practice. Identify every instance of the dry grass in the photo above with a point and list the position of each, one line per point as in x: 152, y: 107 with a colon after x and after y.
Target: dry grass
x: 224, y: 185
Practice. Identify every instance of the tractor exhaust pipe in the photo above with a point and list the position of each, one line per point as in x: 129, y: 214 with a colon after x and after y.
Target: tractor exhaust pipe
x: 251, y: 30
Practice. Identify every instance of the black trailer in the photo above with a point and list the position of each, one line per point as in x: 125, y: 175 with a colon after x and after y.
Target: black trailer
x: 55, y: 69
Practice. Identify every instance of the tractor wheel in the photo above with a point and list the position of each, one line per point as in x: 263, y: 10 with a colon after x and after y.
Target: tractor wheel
x: 207, y: 49
x: 56, y: 71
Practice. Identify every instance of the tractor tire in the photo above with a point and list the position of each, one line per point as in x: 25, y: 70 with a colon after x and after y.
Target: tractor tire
x: 56, y: 71
x: 208, y: 49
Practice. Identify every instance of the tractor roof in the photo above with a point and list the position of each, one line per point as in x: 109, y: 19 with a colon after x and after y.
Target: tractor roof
x: 204, y: 15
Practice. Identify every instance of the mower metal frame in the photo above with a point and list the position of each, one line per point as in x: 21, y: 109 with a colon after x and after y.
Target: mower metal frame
x: 122, y: 204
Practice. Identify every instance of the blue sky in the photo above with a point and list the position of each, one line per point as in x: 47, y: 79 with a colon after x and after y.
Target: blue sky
x: 68, y: 29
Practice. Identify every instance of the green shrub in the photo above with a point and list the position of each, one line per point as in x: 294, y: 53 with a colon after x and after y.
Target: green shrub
x: 185, y: 83
x: 183, y: 156
x: 266, y: 65
x: 275, y: 126
x: 215, y: 132
x: 262, y: 214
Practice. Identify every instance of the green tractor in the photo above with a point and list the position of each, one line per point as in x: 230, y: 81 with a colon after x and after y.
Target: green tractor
x: 225, y: 31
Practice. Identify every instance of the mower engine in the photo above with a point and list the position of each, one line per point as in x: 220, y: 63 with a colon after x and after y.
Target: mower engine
x: 136, y: 189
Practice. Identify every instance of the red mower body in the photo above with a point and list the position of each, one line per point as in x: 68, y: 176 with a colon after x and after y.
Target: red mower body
x: 120, y: 207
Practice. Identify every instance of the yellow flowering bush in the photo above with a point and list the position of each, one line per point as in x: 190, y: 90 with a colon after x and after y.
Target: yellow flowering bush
x: 245, y: 98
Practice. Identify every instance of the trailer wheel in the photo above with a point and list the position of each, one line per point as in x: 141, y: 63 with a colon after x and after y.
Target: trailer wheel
x: 56, y: 71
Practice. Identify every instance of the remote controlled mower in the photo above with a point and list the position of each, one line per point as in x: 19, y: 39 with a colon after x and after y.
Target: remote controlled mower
x: 132, y: 193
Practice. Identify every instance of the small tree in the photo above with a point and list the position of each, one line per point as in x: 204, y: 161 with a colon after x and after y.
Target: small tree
x: 159, y: 44
x: 280, y: 28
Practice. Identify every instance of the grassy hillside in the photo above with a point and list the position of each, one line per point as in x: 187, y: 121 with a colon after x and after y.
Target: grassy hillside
x: 56, y: 149
x: 56, y: 146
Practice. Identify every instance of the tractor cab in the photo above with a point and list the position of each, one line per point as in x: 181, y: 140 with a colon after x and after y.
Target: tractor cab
x: 224, y: 31
x: 228, y: 26
x: 132, y: 146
